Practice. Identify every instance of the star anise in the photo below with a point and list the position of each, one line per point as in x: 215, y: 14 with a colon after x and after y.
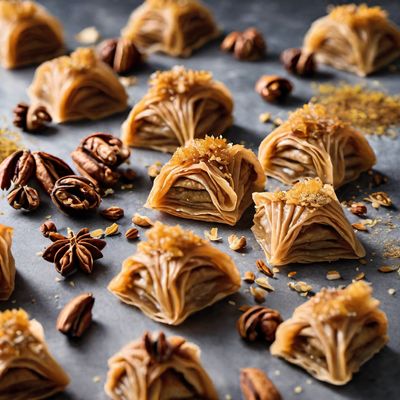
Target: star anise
x: 74, y: 251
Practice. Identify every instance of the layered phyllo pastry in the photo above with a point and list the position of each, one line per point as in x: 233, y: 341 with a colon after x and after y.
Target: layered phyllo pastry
x: 7, y: 263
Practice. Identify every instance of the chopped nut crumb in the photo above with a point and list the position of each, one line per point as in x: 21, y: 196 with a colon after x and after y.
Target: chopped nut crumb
x: 392, y: 291
x: 89, y: 35
x: 292, y: 274
x: 212, y: 235
x: 265, y: 117
x: 154, y: 169
x: 300, y: 287
x: 142, y: 220
x: 111, y: 230
x: 262, y: 267
x: 388, y: 268
x: 96, y: 379
x: 97, y: 233
x: 232, y: 303
x: 264, y: 283
x: 333, y: 275
x: 128, y: 81
x: 249, y: 277
x: 298, y: 389
x: 258, y: 293
x: 237, y: 243
x: 359, y: 227
x: 360, y: 276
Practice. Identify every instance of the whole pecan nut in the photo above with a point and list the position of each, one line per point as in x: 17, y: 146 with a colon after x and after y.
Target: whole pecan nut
x: 49, y: 169
x: 259, y: 322
x: 17, y: 168
x: 30, y: 119
x: 112, y: 213
x: 298, y: 62
x: 121, y: 54
x: 76, y: 316
x: 75, y: 194
x: 23, y: 197
x: 74, y: 251
x: 273, y: 87
x: 256, y: 385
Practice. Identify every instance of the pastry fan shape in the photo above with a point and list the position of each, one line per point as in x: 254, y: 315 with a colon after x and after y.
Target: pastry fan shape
x: 28, y: 35
x: 306, y: 224
x: 158, y: 368
x: 27, y: 369
x: 208, y: 180
x: 174, y: 274
x: 313, y: 143
x: 333, y: 333
x: 354, y: 38
x: 7, y: 263
x: 181, y: 105
x: 174, y: 27
x: 77, y: 87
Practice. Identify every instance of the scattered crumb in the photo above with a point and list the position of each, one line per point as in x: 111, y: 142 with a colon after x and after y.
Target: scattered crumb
x: 154, y: 170
x: 388, y: 268
x: 111, y: 230
x: 237, y: 243
x: 264, y: 283
x: 72, y: 283
x: 128, y: 81
x: 142, y: 220
x: 232, y: 303
x: 262, y: 267
x: 39, y: 253
x: 300, y: 287
x: 212, y: 235
x: 292, y: 274
x: 249, y: 277
x: 298, y: 389
x: 359, y: 227
x: 89, y: 35
x: 97, y: 233
x: 333, y: 275
x: 360, y: 276
x: 265, y: 117
x: 96, y: 379
x: 258, y: 294
x: 392, y: 291
x: 108, y: 192
x: 379, y: 199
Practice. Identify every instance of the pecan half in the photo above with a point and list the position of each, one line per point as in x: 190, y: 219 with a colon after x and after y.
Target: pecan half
x: 48, y: 227
x: 273, y: 87
x: 75, y: 318
x: 49, y: 169
x: 17, y: 168
x: 259, y: 322
x: 112, y: 213
x: 298, y: 62
x: 256, y: 385
x: 120, y: 54
x: 23, y: 197
x: 75, y: 194
x: 30, y: 119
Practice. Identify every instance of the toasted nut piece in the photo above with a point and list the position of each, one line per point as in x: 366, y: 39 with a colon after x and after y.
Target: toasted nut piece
x: 258, y: 293
x: 76, y: 316
x: 212, y: 235
x: 360, y: 227
x: 112, y: 213
x: 111, y: 230
x: 358, y: 209
x: 262, y: 267
x: 132, y: 234
x: 249, y: 277
x: 237, y: 243
x: 255, y: 385
x: 333, y: 275
x: 142, y: 220
x: 264, y: 283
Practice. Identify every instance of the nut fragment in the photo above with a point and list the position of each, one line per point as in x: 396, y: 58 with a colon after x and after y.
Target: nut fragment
x: 248, y: 45
x: 75, y: 194
x: 236, y: 243
x: 379, y: 199
x: 258, y: 322
x: 75, y: 318
x: 255, y: 385
x: 47, y: 227
x: 249, y: 277
x: 112, y: 213
x: 262, y: 267
x: 30, y: 119
x: 111, y: 230
x: 264, y: 283
x: 132, y: 234
x: 359, y: 227
x: 154, y: 170
x: 358, y: 209
x: 333, y: 275
x: 273, y: 87
x: 89, y: 35
x: 300, y: 287
x: 212, y: 235
x: 258, y: 293
x: 142, y: 220
x: 388, y: 268
x: 298, y: 62
x: 23, y: 197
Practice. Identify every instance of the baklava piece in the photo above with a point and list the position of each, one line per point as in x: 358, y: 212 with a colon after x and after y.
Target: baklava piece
x: 306, y: 224
x: 158, y: 368
x: 77, y: 87
x: 7, y: 263
x: 354, y: 38
x: 29, y: 34
x: 174, y: 274
x: 27, y: 369
x: 208, y: 180
x: 174, y: 27
x: 333, y: 333
x: 180, y: 105
x: 313, y: 143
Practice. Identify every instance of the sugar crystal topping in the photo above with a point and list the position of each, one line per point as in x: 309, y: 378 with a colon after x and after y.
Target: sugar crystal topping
x: 353, y: 14
x: 178, y: 80
x: 80, y: 60
x: 172, y: 240
x: 14, y: 10
x: 307, y: 193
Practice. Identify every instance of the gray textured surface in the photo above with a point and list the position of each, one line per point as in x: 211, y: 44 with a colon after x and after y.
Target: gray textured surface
x: 283, y: 22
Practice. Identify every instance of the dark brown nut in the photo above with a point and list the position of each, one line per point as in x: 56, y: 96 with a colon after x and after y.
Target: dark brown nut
x: 256, y: 385
x: 160, y: 349
x: 23, y: 197
x: 112, y: 213
x: 358, y: 208
x: 75, y: 194
x: 248, y: 45
x: 74, y: 251
x: 273, y: 87
x: 30, y: 119
x: 48, y: 227
x: 298, y: 62
x: 94, y: 170
x: 132, y: 234
x: 128, y: 175
x: 76, y: 317
x: 17, y: 168
x: 259, y: 322
x: 49, y: 169
x: 120, y: 54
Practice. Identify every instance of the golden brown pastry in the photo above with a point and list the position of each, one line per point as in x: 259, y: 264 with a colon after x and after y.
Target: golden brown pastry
x: 28, y: 34
x: 174, y: 27
x: 174, y: 274
x: 306, y: 224
x: 76, y: 87
x: 333, y: 333
x: 313, y: 143
x: 7, y: 263
x: 208, y: 180
x: 157, y: 368
x: 180, y: 105
x: 27, y: 369
x: 354, y: 38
